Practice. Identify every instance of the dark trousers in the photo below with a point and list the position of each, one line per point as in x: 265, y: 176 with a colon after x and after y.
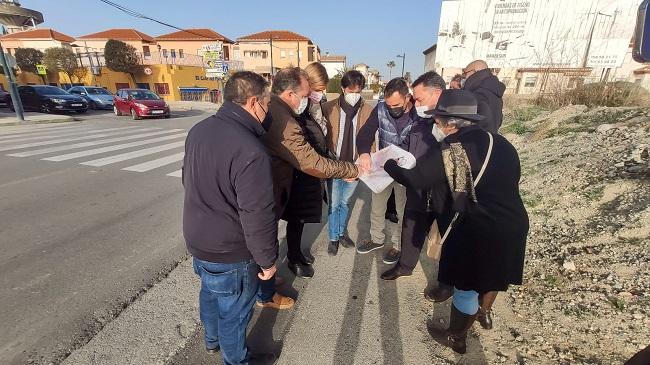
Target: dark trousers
x: 294, y: 240
x: 415, y: 227
x: 390, y: 206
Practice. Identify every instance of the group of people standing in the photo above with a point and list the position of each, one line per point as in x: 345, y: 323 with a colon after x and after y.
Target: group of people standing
x: 266, y: 156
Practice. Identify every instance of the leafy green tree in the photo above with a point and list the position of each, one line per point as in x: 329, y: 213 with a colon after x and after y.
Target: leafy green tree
x: 28, y: 58
x: 122, y: 57
x: 59, y: 59
x: 334, y: 86
x: 407, y: 77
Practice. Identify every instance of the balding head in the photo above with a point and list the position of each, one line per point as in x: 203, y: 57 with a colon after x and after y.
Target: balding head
x: 474, y: 67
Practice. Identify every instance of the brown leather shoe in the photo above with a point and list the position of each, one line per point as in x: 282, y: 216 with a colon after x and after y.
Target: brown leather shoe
x: 279, y: 302
x: 395, y: 273
x: 440, y: 294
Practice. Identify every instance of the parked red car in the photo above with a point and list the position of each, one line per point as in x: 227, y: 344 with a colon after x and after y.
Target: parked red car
x: 139, y: 103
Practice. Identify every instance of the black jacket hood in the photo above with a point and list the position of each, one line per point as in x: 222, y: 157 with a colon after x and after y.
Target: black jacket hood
x: 485, y: 80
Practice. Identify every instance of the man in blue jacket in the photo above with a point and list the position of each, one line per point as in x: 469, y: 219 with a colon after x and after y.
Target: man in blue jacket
x: 228, y: 219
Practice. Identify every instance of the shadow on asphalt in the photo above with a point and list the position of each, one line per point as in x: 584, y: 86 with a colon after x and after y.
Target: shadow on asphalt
x: 348, y: 340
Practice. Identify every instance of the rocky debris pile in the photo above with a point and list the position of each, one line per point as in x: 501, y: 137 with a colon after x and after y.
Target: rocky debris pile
x: 586, y: 292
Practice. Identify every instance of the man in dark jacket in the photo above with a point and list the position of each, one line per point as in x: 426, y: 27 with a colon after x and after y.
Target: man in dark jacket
x: 488, y: 91
x: 422, y: 206
x: 228, y: 219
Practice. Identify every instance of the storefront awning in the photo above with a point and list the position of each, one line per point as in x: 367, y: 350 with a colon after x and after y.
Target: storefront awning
x: 193, y: 89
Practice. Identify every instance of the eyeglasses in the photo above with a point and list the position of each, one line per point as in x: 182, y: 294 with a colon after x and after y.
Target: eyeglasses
x: 468, y: 71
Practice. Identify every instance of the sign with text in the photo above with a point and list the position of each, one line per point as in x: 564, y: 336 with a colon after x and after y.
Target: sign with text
x: 213, y: 58
x: 535, y: 33
x: 41, y: 69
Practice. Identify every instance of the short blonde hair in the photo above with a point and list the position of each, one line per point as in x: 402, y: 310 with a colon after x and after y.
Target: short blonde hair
x: 317, y: 76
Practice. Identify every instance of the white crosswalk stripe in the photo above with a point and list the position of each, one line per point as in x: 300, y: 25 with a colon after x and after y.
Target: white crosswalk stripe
x: 37, y: 129
x: 93, y: 143
x: 110, y: 145
x: 97, y: 151
x: 131, y: 155
x: 177, y: 173
x: 154, y: 164
x: 76, y: 132
x: 64, y: 140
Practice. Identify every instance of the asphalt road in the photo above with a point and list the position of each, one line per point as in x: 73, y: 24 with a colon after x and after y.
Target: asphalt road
x: 80, y: 242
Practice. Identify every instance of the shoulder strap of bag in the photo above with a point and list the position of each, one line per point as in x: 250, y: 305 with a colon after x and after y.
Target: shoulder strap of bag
x: 478, y: 178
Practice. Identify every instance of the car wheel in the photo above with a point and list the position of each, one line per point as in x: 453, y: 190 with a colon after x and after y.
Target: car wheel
x: 92, y: 105
x: 116, y: 111
x: 134, y: 114
x: 45, y: 109
x: 167, y: 116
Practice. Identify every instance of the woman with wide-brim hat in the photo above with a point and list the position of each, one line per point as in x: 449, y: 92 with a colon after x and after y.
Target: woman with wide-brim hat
x: 488, y: 224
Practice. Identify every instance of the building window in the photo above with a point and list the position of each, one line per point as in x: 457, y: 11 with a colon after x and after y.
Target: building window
x: 265, y: 54
x: 162, y: 88
x: 530, y: 81
x: 143, y: 85
x: 173, y: 51
x: 310, y: 54
x: 146, y: 51
x: 181, y: 54
x: 164, y: 53
x: 122, y: 85
x: 226, y: 53
x: 283, y: 54
x: 575, y: 82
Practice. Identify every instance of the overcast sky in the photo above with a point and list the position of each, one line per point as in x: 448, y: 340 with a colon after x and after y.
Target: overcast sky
x: 366, y: 31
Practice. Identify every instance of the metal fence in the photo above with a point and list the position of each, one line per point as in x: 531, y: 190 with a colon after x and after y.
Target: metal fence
x: 96, y: 59
x: 211, y: 96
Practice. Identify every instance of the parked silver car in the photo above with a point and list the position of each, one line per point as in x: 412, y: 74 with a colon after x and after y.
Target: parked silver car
x: 97, y: 97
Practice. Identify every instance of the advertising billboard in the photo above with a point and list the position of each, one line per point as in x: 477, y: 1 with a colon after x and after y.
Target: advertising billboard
x: 535, y: 33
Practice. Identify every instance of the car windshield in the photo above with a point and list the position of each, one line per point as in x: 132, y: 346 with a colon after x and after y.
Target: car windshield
x: 50, y: 90
x: 143, y: 95
x: 98, y: 91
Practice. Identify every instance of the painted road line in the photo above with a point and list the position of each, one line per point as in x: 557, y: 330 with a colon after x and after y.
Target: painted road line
x: 124, y: 146
x: 64, y: 140
x: 154, y: 164
x: 134, y: 154
x: 60, y: 134
x: 177, y: 173
x: 93, y: 143
x: 24, y: 130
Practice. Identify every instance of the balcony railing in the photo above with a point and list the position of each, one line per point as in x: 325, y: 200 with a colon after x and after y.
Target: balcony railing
x: 96, y: 59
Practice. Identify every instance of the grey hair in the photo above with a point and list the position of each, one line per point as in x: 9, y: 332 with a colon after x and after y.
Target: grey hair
x: 288, y: 79
x: 455, y: 122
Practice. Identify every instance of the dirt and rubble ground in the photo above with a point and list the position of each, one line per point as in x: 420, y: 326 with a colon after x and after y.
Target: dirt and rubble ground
x: 586, y: 293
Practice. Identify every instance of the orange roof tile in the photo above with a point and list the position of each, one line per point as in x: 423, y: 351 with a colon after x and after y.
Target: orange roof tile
x: 194, y: 34
x: 43, y: 33
x: 280, y: 35
x: 120, y: 34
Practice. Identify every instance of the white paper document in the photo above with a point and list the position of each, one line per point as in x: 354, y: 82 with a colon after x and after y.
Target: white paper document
x: 378, y: 179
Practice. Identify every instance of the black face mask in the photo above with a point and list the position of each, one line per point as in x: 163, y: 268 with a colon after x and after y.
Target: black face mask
x: 396, y: 112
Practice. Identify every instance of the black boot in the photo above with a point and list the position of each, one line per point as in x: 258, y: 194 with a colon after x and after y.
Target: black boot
x: 456, y: 335
x: 440, y: 294
x: 301, y: 270
x: 333, y: 248
x: 485, y: 311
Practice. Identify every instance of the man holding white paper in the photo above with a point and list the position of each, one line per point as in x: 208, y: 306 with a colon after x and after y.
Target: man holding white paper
x: 393, y: 119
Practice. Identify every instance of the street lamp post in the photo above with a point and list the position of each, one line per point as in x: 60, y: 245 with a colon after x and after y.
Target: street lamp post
x: 13, y: 90
x: 271, y: 38
x: 403, y: 57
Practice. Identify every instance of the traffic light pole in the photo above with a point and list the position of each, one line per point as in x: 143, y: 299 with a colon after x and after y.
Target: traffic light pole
x: 13, y: 90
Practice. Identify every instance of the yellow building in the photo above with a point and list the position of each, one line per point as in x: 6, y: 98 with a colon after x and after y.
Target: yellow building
x: 40, y: 39
x: 288, y: 49
x: 144, y: 44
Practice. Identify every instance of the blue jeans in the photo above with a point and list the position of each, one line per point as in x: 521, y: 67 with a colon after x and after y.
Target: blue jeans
x: 466, y: 301
x: 339, y: 209
x: 267, y: 290
x: 226, y: 305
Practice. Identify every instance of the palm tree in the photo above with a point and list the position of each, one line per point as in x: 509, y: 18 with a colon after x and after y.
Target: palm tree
x: 390, y: 65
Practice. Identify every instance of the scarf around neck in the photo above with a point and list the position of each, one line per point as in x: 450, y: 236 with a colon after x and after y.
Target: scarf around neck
x: 347, y: 145
x: 459, y: 175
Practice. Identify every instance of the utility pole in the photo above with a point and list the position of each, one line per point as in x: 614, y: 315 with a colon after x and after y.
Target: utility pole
x: 403, y: 57
x: 298, y: 52
x: 13, y: 90
x: 271, y: 43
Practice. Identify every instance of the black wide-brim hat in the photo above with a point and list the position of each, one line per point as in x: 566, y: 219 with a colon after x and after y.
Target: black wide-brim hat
x: 457, y: 103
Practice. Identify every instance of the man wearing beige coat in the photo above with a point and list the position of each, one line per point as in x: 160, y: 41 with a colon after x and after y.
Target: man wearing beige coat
x: 346, y: 115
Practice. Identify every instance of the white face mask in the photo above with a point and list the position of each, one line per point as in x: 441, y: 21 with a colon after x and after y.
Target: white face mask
x: 303, y: 105
x: 438, y: 134
x: 352, y: 98
x: 421, y: 111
